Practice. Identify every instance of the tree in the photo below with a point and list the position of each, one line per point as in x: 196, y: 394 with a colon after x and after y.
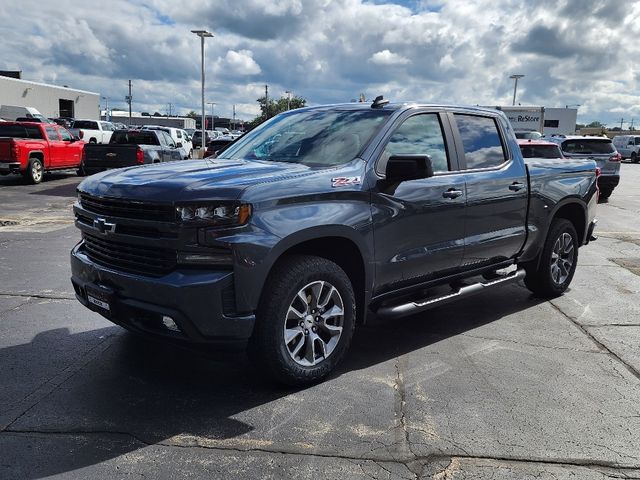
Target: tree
x: 193, y: 114
x: 595, y: 124
x: 273, y: 107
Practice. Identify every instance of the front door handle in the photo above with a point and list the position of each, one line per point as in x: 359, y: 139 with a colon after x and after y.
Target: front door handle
x: 516, y: 186
x: 452, y: 193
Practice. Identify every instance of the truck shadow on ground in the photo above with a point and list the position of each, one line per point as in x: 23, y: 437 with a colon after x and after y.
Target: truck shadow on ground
x: 139, y: 393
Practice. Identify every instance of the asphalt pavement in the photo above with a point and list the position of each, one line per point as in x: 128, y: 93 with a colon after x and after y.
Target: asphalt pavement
x: 497, y: 386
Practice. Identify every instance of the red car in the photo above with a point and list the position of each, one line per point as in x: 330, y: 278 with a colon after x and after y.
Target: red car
x: 539, y: 149
x: 32, y: 149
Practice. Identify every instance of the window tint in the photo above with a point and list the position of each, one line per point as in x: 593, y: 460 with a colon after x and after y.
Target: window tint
x: 169, y: 140
x: 481, y: 141
x: 540, y: 151
x: 64, y: 134
x: 179, y: 133
x: 588, y: 146
x: 86, y: 124
x: 52, y: 134
x: 420, y: 135
x: 637, y: 140
x: 20, y: 131
x: 134, y: 137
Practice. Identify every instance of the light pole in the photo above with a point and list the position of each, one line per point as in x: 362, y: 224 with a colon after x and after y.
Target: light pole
x: 202, y: 34
x: 212, y: 121
x: 106, y: 107
x: 288, y: 92
x: 515, y: 86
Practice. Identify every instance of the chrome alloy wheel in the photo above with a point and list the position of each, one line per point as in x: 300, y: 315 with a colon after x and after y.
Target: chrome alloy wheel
x: 313, y: 325
x: 562, y: 258
x: 36, y: 171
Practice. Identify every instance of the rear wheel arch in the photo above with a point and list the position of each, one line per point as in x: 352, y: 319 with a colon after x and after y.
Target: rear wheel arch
x: 577, y: 215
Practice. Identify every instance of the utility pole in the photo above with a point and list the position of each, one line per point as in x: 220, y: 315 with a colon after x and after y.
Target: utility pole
x: 212, y: 121
x: 288, y: 92
x: 515, y: 86
x: 631, y: 125
x: 234, y: 116
x: 169, y: 112
x: 129, y: 99
x: 266, y: 100
x: 621, y: 121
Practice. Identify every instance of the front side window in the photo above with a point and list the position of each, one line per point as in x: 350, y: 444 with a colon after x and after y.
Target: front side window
x: 481, y: 141
x: 64, y: 134
x: 420, y: 135
x: 637, y: 140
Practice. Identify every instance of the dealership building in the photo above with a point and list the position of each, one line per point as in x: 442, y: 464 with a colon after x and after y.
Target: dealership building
x: 50, y: 100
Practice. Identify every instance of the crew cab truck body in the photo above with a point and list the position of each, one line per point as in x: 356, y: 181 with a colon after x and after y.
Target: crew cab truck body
x: 320, y: 216
x: 93, y: 131
x: 130, y: 147
x: 31, y: 149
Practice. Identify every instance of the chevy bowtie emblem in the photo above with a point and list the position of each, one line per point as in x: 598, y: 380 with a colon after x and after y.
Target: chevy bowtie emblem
x: 110, y: 154
x: 103, y: 226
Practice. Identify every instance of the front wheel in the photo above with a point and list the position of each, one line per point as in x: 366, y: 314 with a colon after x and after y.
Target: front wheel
x: 557, y: 262
x: 305, y: 320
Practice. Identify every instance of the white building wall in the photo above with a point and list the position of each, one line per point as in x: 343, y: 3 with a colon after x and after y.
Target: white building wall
x: 45, y: 98
x: 546, y: 120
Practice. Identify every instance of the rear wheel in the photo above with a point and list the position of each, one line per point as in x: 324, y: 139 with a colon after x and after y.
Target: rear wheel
x: 35, y: 171
x: 634, y: 157
x: 557, y: 263
x: 305, y: 320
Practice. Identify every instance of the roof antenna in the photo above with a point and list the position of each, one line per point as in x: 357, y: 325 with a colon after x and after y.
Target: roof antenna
x: 379, y: 102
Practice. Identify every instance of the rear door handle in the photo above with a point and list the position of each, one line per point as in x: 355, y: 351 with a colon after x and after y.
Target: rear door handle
x: 516, y: 186
x: 452, y: 193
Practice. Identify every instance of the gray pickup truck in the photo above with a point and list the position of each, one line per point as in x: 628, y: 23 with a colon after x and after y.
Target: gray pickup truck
x: 127, y: 148
x: 320, y: 216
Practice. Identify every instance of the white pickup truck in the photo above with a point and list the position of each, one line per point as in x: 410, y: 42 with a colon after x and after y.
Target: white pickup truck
x: 93, y: 131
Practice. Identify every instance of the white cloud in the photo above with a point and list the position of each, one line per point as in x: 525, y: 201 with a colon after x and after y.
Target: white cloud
x: 329, y: 51
x: 386, y: 57
x: 242, y: 62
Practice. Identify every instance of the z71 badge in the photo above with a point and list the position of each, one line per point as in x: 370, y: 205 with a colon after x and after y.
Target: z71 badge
x: 345, y: 181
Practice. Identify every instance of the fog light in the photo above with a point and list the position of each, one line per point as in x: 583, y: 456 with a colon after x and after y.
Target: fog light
x: 170, y: 324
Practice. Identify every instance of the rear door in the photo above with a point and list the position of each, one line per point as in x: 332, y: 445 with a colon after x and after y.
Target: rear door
x: 496, y: 190
x: 418, y: 224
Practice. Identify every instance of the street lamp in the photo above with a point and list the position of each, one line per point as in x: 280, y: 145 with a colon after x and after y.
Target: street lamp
x: 106, y: 99
x: 515, y: 86
x: 288, y: 92
x: 202, y: 34
x: 212, y: 121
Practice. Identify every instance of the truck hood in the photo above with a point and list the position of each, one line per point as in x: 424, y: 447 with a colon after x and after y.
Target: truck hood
x: 189, y: 179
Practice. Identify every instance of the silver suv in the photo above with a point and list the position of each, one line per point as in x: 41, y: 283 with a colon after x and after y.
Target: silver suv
x: 601, y: 150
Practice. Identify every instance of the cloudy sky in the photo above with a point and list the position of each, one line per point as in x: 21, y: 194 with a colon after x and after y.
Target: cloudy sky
x: 327, y: 51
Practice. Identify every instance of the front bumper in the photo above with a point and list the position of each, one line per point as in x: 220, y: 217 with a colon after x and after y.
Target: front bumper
x: 196, y: 301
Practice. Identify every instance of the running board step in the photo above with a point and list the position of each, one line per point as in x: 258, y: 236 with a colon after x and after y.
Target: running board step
x: 417, y: 306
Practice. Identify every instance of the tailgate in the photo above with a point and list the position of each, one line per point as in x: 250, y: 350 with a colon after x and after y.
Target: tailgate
x: 110, y: 156
x: 5, y: 150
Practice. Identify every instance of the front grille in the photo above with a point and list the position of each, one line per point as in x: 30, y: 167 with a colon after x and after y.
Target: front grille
x: 130, y: 258
x: 116, y: 207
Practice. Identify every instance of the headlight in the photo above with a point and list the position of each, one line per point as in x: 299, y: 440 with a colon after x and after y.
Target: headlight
x: 214, y: 214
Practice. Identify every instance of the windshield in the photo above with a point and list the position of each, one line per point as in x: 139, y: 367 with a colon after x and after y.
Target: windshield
x: 588, y: 146
x: 533, y: 135
x: 540, y: 151
x: 310, y: 137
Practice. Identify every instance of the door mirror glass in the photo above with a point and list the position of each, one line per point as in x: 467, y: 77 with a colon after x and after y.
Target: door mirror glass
x: 179, y: 144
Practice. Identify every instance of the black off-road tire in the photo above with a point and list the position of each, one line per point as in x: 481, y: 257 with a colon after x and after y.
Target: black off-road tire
x: 634, y: 157
x: 605, y: 193
x: 35, y: 171
x: 540, y: 278
x: 268, y: 348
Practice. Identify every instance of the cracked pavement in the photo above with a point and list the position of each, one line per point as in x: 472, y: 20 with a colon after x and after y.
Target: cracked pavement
x: 497, y: 386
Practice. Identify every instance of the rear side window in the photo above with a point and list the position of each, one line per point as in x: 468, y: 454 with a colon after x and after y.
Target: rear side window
x: 52, y: 134
x: 481, y: 141
x: 420, y: 135
x: 586, y: 146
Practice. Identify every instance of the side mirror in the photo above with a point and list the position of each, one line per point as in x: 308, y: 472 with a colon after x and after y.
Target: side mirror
x: 179, y: 144
x: 408, y: 167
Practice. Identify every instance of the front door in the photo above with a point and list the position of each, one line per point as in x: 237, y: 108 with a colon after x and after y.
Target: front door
x: 56, y: 147
x: 418, y: 224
